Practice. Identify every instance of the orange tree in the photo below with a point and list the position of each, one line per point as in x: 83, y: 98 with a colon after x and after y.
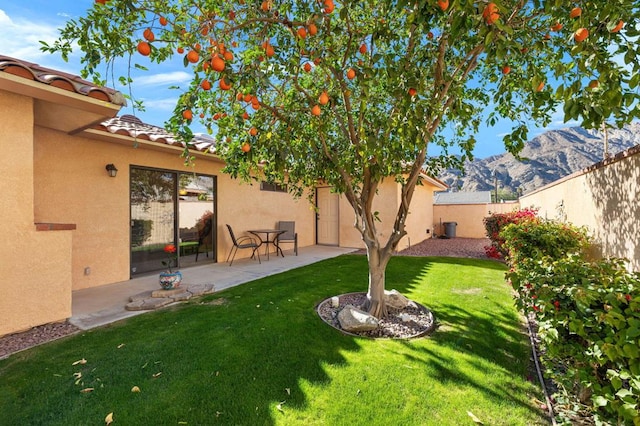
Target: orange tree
x: 353, y: 92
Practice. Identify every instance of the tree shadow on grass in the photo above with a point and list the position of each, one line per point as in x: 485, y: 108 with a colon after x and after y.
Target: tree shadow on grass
x: 228, y: 358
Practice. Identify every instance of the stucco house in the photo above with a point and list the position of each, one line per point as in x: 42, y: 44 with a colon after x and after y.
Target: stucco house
x: 70, y: 221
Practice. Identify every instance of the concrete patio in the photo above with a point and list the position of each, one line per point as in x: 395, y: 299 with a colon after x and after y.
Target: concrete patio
x: 94, y: 307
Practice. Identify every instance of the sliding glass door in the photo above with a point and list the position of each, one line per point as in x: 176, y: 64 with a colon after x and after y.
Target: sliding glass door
x: 170, y: 208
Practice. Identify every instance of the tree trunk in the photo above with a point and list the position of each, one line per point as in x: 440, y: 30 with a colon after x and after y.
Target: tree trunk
x: 378, y: 260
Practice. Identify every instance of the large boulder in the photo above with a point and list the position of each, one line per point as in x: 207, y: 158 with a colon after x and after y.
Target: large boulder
x: 354, y: 320
x: 395, y: 300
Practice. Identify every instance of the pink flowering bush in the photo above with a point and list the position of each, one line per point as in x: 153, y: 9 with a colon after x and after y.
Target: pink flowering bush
x: 497, y: 221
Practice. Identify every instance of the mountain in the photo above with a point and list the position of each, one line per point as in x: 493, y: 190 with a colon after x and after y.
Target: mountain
x: 545, y: 158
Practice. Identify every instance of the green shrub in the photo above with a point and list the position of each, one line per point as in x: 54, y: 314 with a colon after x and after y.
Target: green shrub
x: 497, y: 221
x: 535, y: 239
x: 588, y: 316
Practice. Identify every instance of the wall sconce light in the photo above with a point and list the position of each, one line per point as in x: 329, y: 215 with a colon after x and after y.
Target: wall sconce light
x: 111, y: 169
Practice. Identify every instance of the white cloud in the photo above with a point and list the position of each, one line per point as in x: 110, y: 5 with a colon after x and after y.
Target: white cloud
x: 20, y: 38
x: 166, y: 104
x: 176, y: 77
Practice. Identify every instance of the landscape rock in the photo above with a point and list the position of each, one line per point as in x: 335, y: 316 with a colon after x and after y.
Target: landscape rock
x: 394, y: 299
x: 353, y: 319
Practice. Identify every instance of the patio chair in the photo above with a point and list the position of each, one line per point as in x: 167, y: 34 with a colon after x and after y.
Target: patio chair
x: 242, y: 243
x: 290, y: 235
x: 204, y: 237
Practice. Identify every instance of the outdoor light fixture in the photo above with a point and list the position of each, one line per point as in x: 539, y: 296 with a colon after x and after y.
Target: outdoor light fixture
x: 111, y: 169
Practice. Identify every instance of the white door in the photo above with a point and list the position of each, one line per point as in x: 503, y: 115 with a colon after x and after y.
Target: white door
x: 328, y: 214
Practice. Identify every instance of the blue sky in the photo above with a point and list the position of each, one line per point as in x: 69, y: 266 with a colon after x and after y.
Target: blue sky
x: 24, y: 24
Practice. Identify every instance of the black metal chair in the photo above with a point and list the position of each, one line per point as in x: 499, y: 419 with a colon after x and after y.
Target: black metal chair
x: 242, y: 243
x: 204, y: 237
x: 290, y: 235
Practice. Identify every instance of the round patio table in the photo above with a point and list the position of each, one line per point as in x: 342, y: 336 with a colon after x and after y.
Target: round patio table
x: 267, y: 240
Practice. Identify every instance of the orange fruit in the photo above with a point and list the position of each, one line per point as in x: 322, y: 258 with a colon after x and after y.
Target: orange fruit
x: 245, y: 115
x: 148, y: 34
x: 253, y: 131
x: 217, y: 63
x: 363, y: 48
x: 101, y: 1
x: 313, y: 30
x: 490, y: 13
x: 232, y: 15
x: 269, y: 50
x: 224, y: 85
x: 248, y: 97
x: 593, y: 84
x: 556, y: 27
x: 206, y: 84
x: 547, y: 37
x: 144, y: 48
x: 180, y: 50
x: 443, y: 5
x: 324, y: 98
x: 316, y: 61
x: 328, y: 6
x: 412, y: 91
x: 581, y: 35
x: 506, y: 69
x: 302, y: 32
x: 429, y: 35
x: 163, y: 21
x: 265, y: 6
x: 187, y: 114
x: 351, y: 73
x: 575, y: 12
x: 228, y: 55
x: 618, y: 27
x: 246, y: 147
x: 315, y: 110
x: 307, y: 67
x: 540, y: 86
x: 193, y: 56
x: 239, y: 96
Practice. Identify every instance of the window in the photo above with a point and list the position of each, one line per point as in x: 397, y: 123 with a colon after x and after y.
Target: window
x: 274, y: 187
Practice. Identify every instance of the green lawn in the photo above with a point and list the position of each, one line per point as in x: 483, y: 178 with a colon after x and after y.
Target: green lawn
x: 258, y: 354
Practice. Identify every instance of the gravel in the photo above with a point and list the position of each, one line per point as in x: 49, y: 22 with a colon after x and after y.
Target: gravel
x: 454, y: 247
x: 418, y: 320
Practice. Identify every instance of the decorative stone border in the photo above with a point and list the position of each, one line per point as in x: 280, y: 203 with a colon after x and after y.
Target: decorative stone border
x: 326, y: 305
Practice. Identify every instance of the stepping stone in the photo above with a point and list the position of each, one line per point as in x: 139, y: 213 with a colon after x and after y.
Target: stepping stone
x: 148, y: 304
x: 167, y: 293
x: 200, y: 289
x: 141, y: 296
x: 182, y: 296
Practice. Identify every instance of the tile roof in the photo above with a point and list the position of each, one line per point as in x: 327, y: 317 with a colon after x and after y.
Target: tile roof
x: 59, y: 79
x: 129, y: 125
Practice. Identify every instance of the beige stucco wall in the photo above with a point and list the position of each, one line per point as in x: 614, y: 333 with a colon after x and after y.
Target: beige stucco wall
x: 386, y: 204
x: 468, y: 217
x: 72, y: 186
x: 605, y: 200
x: 35, y: 266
